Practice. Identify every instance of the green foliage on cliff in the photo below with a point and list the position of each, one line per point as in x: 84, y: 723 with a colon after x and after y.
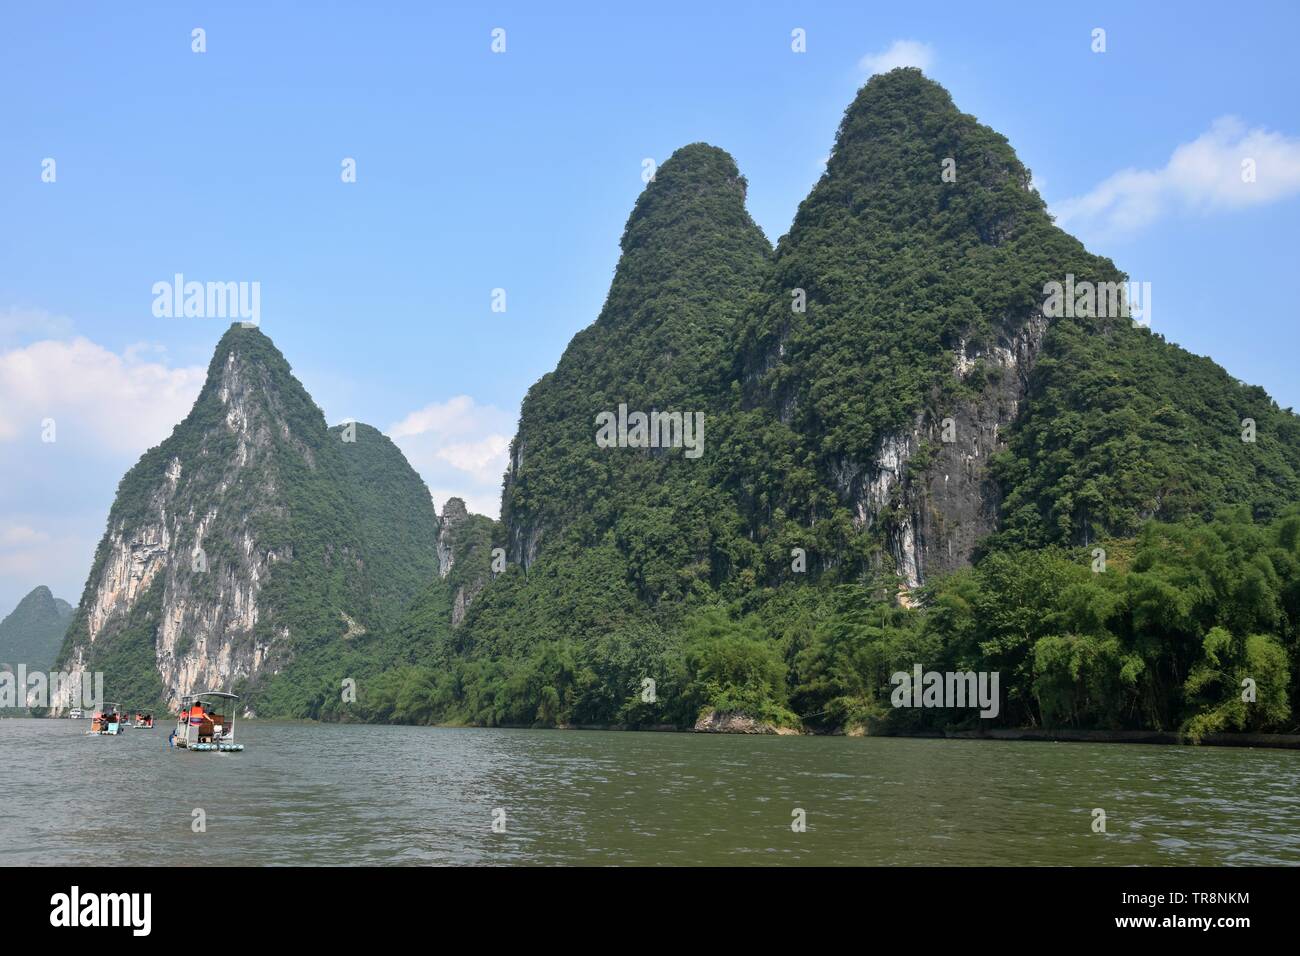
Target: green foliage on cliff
x: 628, y: 533
x: 346, y: 527
x: 1121, y: 427
x: 1161, y: 636
x: 1164, y: 638
x: 32, y: 632
x: 901, y: 267
x: 628, y: 565
x: 645, y: 587
x: 363, y: 531
x: 691, y: 259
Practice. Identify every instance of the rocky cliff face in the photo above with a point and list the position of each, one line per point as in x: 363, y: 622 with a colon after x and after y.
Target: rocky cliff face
x: 918, y: 262
x: 464, y: 556
x: 250, y: 534
x: 186, y: 555
x: 893, y: 335
x: 934, y: 517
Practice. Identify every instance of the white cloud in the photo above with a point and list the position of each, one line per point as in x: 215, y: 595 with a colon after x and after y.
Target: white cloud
x: 899, y: 53
x: 460, y: 448
x: 457, y: 417
x: 20, y: 325
x: 1202, y: 176
x: 484, y: 459
x: 19, y: 536
x: 120, y: 403
x: 50, y: 549
x: 108, y: 408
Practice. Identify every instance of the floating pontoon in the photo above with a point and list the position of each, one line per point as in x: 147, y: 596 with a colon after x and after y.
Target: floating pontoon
x: 107, y: 721
x: 207, y: 723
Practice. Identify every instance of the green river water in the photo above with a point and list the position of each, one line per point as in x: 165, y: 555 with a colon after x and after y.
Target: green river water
x: 340, y: 794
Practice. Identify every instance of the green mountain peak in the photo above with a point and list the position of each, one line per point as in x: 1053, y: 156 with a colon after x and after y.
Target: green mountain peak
x: 254, y: 547
x: 32, y: 632
x: 887, y: 402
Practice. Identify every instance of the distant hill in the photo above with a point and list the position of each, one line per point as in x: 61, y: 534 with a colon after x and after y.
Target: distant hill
x: 256, y: 550
x: 33, y: 631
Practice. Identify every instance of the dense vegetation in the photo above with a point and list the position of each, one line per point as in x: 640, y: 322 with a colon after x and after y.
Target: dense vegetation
x: 640, y: 530
x: 32, y: 632
x: 1159, y: 636
x: 634, y: 565
x: 393, y: 558
x: 1122, y: 427
x: 691, y: 259
x: 646, y: 588
x: 350, y: 526
x: 900, y: 267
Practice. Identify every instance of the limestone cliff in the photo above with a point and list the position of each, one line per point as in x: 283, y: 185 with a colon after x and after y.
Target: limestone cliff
x: 464, y: 555
x: 904, y: 322
x: 252, y: 535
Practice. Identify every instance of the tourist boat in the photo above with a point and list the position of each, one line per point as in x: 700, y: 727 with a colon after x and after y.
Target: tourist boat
x: 144, y: 720
x: 207, y: 723
x: 107, y: 721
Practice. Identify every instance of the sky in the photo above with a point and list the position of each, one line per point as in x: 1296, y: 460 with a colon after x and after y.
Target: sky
x: 478, y: 170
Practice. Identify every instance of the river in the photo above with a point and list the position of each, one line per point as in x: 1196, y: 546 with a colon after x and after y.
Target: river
x: 328, y: 794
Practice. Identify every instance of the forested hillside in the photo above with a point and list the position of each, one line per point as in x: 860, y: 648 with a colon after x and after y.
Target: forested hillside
x: 908, y: 459
x: 759, y: 484
x: 255, y: 549
x: 32, y: 633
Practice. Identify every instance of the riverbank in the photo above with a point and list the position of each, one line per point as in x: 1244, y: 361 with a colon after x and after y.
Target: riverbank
x: 1277, y: 741
x: 738, y: 724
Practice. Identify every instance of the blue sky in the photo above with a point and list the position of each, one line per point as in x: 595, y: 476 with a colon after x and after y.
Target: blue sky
x: 478, y: 171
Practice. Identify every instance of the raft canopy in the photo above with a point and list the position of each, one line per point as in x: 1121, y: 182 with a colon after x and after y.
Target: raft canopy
x: 226, y: 740
x: 209, y: 693
x: 107, y: 714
